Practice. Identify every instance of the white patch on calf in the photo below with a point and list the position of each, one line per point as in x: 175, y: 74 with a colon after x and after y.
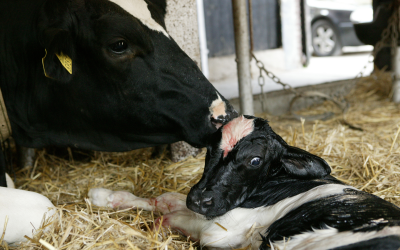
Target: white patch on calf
x: 330, y: 238
x: 25, y: 211
x: 234, y: 131
x: 138, y: 9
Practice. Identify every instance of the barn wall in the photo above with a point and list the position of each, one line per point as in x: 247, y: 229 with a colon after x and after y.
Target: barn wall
x: 181, y: 22
x: 219, y: 26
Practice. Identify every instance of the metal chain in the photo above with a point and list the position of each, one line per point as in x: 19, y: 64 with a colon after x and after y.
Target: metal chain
x: 391, y: 32
x: 272, y: 76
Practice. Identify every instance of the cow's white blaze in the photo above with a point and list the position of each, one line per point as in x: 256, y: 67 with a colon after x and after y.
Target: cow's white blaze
x: 234, y: 131
x: 138, y: 9
x: 330, y: 238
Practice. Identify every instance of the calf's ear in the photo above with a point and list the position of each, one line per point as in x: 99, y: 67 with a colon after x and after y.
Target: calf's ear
x: 302, y: 164
x: 58, y: 63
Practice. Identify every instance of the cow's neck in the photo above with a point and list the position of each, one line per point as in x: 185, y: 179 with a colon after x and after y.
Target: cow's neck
x: 21, y: 53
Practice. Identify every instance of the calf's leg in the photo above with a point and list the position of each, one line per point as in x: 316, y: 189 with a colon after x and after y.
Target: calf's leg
x: 171, y: 205
x: 177, y: 216
x: 165, y: 203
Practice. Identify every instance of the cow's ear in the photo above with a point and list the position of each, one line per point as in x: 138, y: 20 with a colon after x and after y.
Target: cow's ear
x: 302, y: 164
x: 162, y: 4
x: 58, y: 62
x: 160, y: 7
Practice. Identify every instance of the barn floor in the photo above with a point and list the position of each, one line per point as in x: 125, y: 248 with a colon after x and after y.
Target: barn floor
x: 367, y: 159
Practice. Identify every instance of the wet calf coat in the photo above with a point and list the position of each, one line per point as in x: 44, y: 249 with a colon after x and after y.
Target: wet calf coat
x: 299, y: 205
x: 257, y: 190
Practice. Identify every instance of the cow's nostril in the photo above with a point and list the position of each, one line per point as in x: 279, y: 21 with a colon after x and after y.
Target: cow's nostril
x: 217, y: 122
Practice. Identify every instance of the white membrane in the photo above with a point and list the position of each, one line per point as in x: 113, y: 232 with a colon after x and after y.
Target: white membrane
x: 138, y: 9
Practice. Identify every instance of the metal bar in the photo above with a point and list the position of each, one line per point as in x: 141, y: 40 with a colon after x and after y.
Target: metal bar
x: 202, y: 38
x: 396, y: 69
x: 241, y: 28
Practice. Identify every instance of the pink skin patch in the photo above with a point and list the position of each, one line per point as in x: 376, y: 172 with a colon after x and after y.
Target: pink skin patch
x: 234, y: 131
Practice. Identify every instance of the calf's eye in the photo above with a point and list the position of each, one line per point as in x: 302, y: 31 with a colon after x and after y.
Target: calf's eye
x: 119, y: 47
x: 255, y: 162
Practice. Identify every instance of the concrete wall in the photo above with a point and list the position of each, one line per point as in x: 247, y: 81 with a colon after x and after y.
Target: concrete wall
x: 181, y: 22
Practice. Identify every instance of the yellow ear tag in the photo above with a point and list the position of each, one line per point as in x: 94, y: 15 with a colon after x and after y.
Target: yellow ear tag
x: 66, y: 61
x: 44, y: 70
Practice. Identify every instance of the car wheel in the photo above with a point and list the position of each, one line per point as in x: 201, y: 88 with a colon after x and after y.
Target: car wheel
x: 325, y: 39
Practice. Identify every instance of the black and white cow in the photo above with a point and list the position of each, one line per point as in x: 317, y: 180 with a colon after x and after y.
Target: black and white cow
x: 100, y: 75
x: 124, y: 84
x: 257, y: 190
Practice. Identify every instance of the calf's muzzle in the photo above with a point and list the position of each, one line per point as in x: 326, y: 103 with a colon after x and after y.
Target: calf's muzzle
x: 200, y: 201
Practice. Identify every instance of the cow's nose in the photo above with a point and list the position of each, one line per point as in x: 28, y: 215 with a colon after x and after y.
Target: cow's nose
x: 229, y: 114
x: 221, y: 112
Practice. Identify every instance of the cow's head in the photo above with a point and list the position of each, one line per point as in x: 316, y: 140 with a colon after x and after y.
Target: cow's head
x: 131, y: 85
x: 245, y: 154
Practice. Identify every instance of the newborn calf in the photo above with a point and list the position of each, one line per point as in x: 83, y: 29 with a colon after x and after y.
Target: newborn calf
x: 257, y: 190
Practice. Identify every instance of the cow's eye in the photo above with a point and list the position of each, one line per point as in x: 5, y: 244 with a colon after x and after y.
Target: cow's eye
x: 255, y: 162
x: 119, y: 47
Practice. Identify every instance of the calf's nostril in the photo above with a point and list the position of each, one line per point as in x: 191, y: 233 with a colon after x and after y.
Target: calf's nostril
x: 208, y: 201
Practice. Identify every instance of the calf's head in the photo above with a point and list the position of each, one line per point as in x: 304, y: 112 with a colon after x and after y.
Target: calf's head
x: 131, y: 85
x: 244, y: 154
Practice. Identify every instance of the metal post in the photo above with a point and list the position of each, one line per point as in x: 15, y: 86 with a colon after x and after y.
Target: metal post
x: 291, y: 33
x: 396, y: 69
x: 241, y: 27
x: 202, y: 38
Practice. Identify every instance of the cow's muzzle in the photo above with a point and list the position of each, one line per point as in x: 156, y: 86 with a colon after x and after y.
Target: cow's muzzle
x: 222, y: 112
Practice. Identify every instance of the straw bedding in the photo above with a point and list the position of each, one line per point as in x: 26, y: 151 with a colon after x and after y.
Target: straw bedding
x: 368, y: 160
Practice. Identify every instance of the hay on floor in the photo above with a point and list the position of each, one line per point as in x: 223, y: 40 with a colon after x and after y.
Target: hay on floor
x: 368, y: 160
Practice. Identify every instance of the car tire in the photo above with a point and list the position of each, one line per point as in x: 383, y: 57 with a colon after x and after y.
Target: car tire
x: 325, y: 39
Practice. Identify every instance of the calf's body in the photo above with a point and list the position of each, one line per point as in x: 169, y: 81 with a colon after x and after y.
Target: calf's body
x: 257, y: 190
